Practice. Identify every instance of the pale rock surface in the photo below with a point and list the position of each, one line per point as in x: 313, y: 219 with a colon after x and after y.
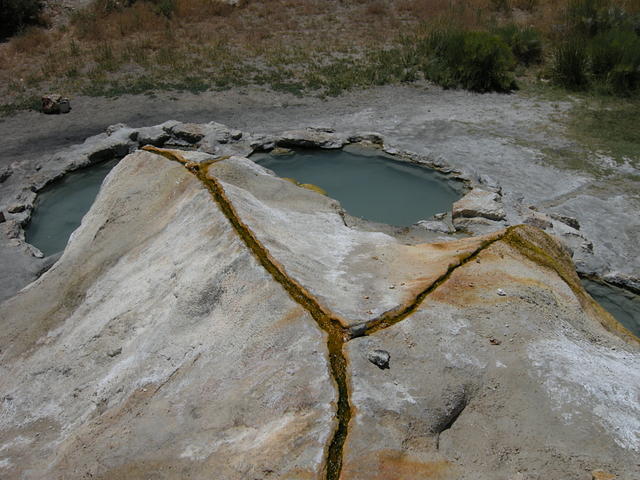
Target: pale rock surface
x: 158, y: 346
x: 541, y: 400
x: 358, y: 275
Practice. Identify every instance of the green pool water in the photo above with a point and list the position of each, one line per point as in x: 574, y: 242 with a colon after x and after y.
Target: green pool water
x: 60, y: 207
x: 369, y: 184
x: 623, y: 305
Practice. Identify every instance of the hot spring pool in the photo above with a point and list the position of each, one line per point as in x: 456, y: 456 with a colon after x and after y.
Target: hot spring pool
x: 623, y: 305
x: 60, y: 207
x: 369, y: 184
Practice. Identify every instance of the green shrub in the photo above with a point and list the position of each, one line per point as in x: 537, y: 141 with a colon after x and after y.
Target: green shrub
x: 165, y: 7
x: 15, y: 14
x: 477, y: 61
x: 525, y: 42
x: 570, y: 66
x: 615, y: 59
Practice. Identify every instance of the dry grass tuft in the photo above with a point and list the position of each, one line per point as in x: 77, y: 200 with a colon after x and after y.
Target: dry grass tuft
x: 32, y: 40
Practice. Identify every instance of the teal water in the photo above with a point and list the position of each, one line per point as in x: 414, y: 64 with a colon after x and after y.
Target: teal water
x: 368, y: 183
x: 623, y: 305
x: 60, y: 207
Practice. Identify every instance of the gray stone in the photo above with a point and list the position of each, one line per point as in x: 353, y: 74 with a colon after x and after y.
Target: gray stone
x: 380, y: 358
x: 436, y: 226
x: 368, y: 137
x: 156, y: 136
x: 189, y: 132
x: 111, y: 129
x: 54, y: 104
x: 479, y: 203
x: 17, y: 208
x: 115, y: 352
x: 5, y: 172
x: 628, y: 282
x: 477, y: 225
x: 538, y: 220
x: 311, y: 138
x: 572, y: 222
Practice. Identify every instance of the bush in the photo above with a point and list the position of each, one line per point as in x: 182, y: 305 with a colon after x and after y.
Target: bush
x: 591, y: 17
x: 525, y: 42
x: 15, y: 14
x: 570, y: 66
x: 615, y: 59
x: 477, y: 61
x: 165, y: 7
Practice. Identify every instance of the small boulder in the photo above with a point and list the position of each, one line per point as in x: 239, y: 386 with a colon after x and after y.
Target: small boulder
x: 5, y: 173
x: 436, y: 226
x: 17, y: 208
x: 115, y: 352
x: 191, y: 132
x: 54, y: 104
x: 2, y: 218
x: 572, y: 222
x: 368, y: 137
x: 311, y: 138
x: 380, y: 358
x: 539, y: 220
x: 479, y: 203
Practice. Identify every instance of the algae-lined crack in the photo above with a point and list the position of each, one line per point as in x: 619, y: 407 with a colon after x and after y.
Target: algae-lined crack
x: 398, y: 314
x: 338, y: 334
x: 332, y: 326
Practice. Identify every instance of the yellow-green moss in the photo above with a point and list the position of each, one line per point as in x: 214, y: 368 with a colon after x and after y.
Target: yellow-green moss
x: 542, y: 249
x: 313, y: 188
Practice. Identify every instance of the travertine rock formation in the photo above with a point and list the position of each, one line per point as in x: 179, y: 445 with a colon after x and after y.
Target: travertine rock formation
x: 210, y: 320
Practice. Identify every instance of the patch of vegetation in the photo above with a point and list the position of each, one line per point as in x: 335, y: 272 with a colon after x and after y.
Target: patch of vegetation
x: 16, y: 14
x: 609, y: 126
x: 600, y: 50
x: 22, y: 103
x: 325, y: 47
x: 570, y: 67
x: 525, y: 42
x: 477, y: 61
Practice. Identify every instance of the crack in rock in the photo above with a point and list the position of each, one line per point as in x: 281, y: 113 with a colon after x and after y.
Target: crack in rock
x: 338, y: 334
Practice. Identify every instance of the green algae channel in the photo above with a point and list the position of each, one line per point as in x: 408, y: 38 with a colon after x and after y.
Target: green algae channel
x: 392, y: 317
x: 61, y: 205
x: 334, y: 328
x: 623, y: 305
x: 369, y: 183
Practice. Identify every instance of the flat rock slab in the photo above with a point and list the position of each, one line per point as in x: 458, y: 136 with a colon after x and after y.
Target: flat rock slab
x: 492, y: 377
x: 158, y: 346
x: 479, y: 203
x: 358, y: 275
x: 180, y: 335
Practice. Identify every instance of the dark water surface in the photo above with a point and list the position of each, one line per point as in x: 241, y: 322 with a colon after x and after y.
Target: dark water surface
x: 369, y: 184
x: 60, y: 207
x: 623, y: 305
